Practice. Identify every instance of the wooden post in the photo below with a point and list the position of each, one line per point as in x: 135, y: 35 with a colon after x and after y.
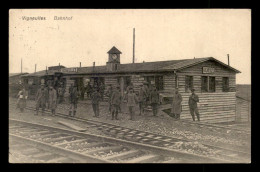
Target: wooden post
x: 228, y: 58
x: 134, y: 46
x: 79, y: 64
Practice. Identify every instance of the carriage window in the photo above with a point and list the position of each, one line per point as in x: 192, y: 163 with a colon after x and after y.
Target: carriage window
x: 212, y: 84
x: 225, y: 84
x: 188, y: 83
x: 204, y: 84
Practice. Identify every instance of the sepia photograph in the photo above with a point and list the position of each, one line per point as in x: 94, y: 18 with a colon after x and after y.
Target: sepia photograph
x: 130, y: 86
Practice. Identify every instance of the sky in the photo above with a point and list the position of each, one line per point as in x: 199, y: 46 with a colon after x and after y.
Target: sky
x: 160, y: 35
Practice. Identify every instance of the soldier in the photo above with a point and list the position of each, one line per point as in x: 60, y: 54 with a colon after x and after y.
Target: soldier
x: 147, y: 93
x: 73, y: 101
x: 154, y: 98
x: 41, y: 99
x: 131, y: 101
x: 109, y: 95
x: 193, y: 99
x: 61, y: 93
x: 176, y: 104
x: 115, y: 101
x: 21, y: 102
x: 142, y: 99
x: 95, y: 96
x: 52, y: 100
x: 101, y: 88
x: 88, y: 90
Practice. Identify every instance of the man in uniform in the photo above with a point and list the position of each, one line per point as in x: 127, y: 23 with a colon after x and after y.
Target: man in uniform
x: 41, y: 99
x: 73, y: 101
x: 142, y: 99
x: 115, y: 101
x: 88, y: 90
x: 154, y: 98
x: 193, y: 99
x: 109, y: 95
x: 52, y: 100
x: 95, y: 97
x: 176, y: 104
x: 131, y: 101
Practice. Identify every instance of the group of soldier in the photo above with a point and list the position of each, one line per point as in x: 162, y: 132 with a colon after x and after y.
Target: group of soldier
x: 146, y: 96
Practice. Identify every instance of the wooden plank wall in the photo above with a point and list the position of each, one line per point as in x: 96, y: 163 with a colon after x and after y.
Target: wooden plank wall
x: 169, y: 82
x: 137, y: 80
x: 213, y: 107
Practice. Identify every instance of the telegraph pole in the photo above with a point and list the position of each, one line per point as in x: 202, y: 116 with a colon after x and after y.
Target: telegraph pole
x: 134, y: 45
x: 21, y: 66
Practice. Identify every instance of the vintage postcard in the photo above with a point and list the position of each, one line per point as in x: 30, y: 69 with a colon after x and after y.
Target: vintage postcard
x: 130, y: 86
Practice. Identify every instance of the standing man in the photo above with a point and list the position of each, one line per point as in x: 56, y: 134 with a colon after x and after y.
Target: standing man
x: 142, y: 99
x: 193, y: 105
x: 88, y: 90
x: 52, y: 100
x: 131, y: 101
x: 95, y: 97
x: 41, y: 99
x: 115, y: 101
x: 73, y: 101
x: 109, y: 95
x: 22, y: 96
x: 147, y: 93
x: 154, y: 98
x: 176, y: 104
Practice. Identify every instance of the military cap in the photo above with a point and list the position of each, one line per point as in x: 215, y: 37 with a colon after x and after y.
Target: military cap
x: 192, y: 89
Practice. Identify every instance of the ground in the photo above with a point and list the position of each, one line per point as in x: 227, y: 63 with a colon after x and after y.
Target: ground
x: 162, y: 124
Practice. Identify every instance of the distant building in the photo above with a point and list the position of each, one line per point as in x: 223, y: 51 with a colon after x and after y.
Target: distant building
x: 15, y: 83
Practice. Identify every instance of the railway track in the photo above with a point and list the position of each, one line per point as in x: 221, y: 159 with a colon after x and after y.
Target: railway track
x: 52, y: 145
x: 181, y: 145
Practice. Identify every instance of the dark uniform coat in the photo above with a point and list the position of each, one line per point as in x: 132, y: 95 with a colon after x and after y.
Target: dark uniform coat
x: 73, y: 95
x: 142, y: 95
x: 193, y: 101
x: 41, y: 98
x: 176, y: 103
x: 52, y: 99
x: 154, y: 97
x: 116, y: 98
x: 95, y: 97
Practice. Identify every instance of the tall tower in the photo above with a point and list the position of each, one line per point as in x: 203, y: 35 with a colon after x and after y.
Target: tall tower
x: 113, y: 59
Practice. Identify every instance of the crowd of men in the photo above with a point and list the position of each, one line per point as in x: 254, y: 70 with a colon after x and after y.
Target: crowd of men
x: 147, y: 96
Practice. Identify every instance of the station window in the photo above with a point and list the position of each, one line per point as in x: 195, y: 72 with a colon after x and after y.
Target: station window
x: 204, y: 84
x: 188, y: 83
x: 225, y: 84
x: 208, y: 84
x: 212, y: 84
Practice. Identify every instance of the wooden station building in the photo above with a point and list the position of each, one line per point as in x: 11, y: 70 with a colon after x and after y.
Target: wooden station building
x: 214, y: 81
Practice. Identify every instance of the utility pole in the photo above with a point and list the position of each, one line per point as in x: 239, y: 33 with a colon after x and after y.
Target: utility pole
x: 79, y: 64
x: 134, y: 45
x: 21, y: 66
x: 228, y: 58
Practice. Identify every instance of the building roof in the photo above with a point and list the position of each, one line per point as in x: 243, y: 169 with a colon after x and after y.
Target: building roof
x: 158, y: 66
x: 152, y: 66
x: 41, y: 73
x: 17, y: 74
x: 114, y: 50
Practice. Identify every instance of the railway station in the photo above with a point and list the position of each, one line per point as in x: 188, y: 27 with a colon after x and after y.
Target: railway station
x: 213, y: 81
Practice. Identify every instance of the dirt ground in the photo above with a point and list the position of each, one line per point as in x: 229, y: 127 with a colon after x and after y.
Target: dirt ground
x: 162, y: 124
